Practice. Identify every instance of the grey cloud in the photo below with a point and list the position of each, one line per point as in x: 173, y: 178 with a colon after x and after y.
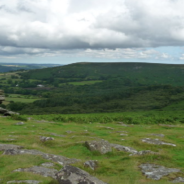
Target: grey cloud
x: 23, y: 7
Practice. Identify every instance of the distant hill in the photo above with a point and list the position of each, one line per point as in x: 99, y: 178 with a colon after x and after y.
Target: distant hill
x: 100, y: 87
x: 135, y: 73
x: 7, y: 67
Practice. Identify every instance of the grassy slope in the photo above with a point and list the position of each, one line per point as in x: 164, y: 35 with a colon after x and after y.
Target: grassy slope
x: 114, y: 168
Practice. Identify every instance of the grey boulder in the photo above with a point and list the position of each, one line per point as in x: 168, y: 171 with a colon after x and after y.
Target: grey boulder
x: 101, y: 146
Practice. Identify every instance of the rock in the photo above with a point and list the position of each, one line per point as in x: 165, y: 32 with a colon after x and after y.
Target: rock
x: 91, y: 164
x: 104, y: 147
x: 19, y: 123
x: 4, y: 147
x: 24, y: 181
x: 55, y: 158
x: 158, y: 135
x: 178, y: 180
x: 44, y: 139
x: 156, y: 172
x: 131, y: 150
x: 6, y: 112
x: 9, y: 113
x: 46, y: 172
x: 101, y: 146
x: 48, y: 164
x: 156, y: 141
x: 10, y: 152
x: 73, y: 175
x: 124, y: 148
x: 144, y: 152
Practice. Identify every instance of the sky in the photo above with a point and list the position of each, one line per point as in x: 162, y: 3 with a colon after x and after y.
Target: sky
x: 70, y: 31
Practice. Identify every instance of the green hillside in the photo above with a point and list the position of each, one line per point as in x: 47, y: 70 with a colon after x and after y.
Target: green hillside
x: 98, y: 87
x: 138, y: 73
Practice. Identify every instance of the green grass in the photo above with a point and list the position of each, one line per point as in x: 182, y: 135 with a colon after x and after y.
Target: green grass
x: 115, y: 167
x: 20, y: 98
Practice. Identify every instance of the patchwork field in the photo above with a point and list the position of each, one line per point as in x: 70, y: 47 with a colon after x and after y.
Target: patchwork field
x: 114, y: 167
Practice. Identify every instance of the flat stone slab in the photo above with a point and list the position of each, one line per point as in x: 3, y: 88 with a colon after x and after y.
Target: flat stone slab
x: 55, y: 158
x: 24, y: 181
x: 46, y: 172
x: 74, y: 175
x: 131, y: 150
x: 156, y: 172
x: 156, y: 141
x: 4, y: 147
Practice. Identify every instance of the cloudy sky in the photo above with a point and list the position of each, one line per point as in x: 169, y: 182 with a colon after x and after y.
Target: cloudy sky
x: 69, y: 31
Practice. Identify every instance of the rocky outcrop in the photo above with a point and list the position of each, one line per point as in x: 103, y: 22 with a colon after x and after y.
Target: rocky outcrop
x: 70, y: 175
x: 156, y: 172
x: 5, y: 112
x: 55, y: 158
x: 157, y: 142
x: 103, y: 147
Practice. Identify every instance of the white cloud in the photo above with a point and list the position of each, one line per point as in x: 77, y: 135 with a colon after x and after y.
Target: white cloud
x: 54, y: 25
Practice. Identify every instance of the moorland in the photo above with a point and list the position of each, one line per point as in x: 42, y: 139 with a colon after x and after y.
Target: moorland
x: 122, y: 103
